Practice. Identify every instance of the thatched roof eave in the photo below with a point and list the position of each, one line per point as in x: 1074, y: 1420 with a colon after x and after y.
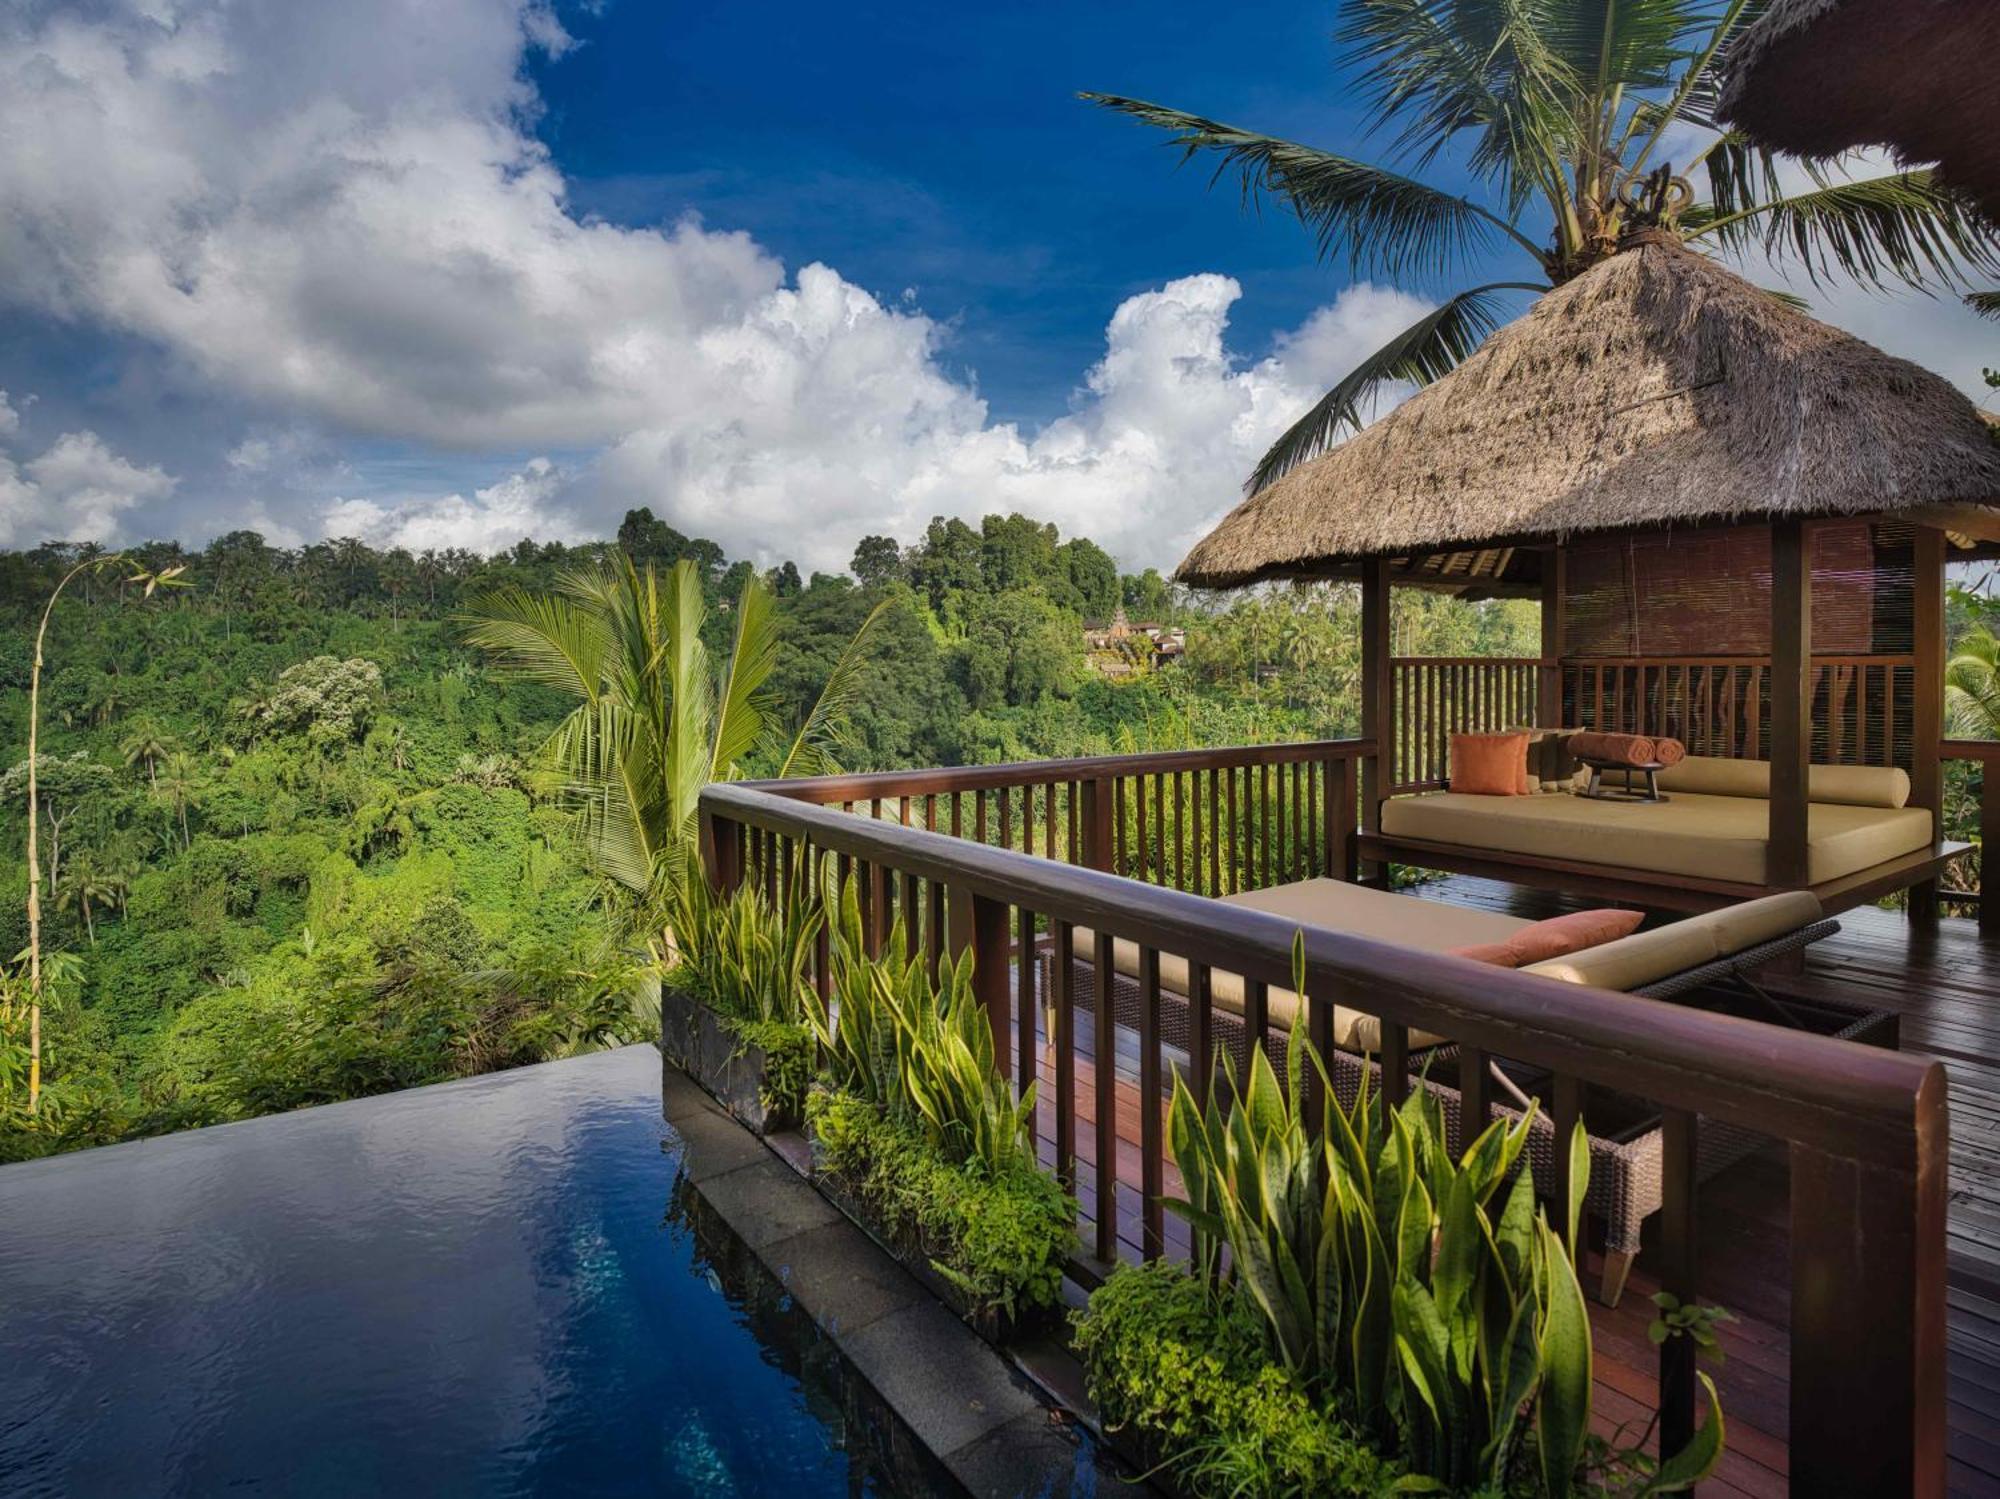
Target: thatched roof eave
x: 1921, y: 77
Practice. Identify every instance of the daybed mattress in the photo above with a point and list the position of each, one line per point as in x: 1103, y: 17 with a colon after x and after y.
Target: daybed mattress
x: 1408, y: 921
x: 1704, y: 837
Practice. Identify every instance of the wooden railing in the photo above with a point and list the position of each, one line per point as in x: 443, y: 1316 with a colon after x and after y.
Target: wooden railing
x: 1720, y: 705
x: 1957, y: 892
x: 1434, y: 697
x: 1865, y: 1128
x: 1208, y: 821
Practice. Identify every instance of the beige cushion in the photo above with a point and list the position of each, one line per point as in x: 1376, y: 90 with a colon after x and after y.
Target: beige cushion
x: 1647, y: 957
x: 1845, y: 785
x: 1743, y: 926
x: 1407, y: 920
x: 1692, y: 834
x: 1634, y: 961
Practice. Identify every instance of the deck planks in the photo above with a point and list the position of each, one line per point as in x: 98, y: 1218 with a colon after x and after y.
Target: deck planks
x: 1945, y: 986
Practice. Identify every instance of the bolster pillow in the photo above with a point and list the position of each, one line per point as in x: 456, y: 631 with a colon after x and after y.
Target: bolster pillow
x: 1619, y: 749
x: 1845, y: 785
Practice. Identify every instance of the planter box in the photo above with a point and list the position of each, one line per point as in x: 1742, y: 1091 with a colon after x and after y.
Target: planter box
x: 996, y: 1327
x: 694, y: 1038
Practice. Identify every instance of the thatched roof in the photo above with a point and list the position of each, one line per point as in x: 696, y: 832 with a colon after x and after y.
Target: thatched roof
x: 1818, y: 77
x: 1656, y: 389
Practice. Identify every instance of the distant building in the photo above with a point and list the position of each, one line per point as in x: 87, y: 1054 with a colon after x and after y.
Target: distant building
x: 1122, y: 648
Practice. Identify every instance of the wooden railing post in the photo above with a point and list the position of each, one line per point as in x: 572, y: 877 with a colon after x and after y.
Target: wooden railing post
x: 1868, y: 1316
x: 1927, y: 701
x: 721, y: 843
x: 1989, y: 838
x: 1375, y: 692
x: 1097, y: 800
x: 981, y: 925
x: 1548, y: 672
x: 1791, y: 701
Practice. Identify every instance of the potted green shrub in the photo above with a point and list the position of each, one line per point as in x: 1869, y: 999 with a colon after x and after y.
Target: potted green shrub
x: 733, y: 1007
x: 919, y: 1139
x: 1364, y: 1311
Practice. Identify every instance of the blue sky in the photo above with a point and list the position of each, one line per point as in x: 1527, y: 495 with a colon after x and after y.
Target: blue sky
x: 450, y: 272
x: 942, y: 148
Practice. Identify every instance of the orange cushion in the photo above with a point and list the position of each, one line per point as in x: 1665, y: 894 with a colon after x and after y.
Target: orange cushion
x: 1561, y: 935
x: 1489, y: 764
x: 1497, y: 953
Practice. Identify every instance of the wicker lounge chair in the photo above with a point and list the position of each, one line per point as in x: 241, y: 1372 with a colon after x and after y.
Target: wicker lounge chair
x: 1626, y: 1159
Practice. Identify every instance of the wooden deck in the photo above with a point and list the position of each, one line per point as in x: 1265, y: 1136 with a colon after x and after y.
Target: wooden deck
x: 1945, y: 986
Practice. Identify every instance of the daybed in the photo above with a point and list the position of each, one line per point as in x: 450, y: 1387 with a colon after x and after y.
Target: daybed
x: 1705, y: 845
x: 1625, y: 1175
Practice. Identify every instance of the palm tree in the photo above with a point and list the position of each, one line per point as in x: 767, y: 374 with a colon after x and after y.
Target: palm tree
x: 656, y: 720
x: 178, y: 781
x: 148, y: 744
x: 89, y: 887
x: 1972, y: 686
x: 1560, y: 111
x: 94, y: 562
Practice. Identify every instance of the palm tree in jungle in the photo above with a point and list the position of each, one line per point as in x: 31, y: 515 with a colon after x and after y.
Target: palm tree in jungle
x: 656, y: 717
x: 1563, y: 114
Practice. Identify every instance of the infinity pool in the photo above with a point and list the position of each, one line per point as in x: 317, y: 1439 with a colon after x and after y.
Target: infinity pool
x: 488, y: 1287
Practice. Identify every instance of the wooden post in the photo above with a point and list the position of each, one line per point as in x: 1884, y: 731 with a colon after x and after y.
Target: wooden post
x: 1868, y: 1316
x: 1791, y: 701
x: 1989, y: 837
x: 1927, y: 702
x: 721, y: 852
x: 1375, y: 688
x: 981, y: 924
x: 1677, y: 1272
x: 1548, y: 676
x: 1096, y: 836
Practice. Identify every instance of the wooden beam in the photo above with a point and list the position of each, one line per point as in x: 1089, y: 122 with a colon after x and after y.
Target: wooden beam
x: 1375, y: 689
x: 1868, y: 1272
x: 981, y: 925
x: 1548, y: 705
x: 1927, y: 701
x: 1791, y: 701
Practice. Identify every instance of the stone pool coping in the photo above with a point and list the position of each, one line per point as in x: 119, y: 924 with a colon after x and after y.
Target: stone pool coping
x: 983, y: 1419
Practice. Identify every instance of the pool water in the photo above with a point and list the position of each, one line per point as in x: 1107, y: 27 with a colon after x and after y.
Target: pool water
x: 487, y: 1287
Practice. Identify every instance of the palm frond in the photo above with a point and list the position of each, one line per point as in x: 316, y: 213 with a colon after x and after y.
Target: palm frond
x: 687, y: 691
x: 1378, y: 221
x: 1431, y: 347
x: 1484, y: 67
x: 740, y: 721
x: 1985, y: 303
x: 1639, y: 46
x: 1900, y: 228
x: 828, y: 725
x: 544, y: 638
x: 1694, y: 98
x: 1741, y: 175
x: 606, y: 767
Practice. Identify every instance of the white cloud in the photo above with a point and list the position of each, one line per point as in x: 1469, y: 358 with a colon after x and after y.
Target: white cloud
x: 10, y: 416
x: 77, y: 490
x: 320, y: 228
x: 526, y: 503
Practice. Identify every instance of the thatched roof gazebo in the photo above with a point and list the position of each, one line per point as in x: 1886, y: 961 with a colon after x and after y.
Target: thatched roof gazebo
x: 1818, y: 77
x: 1657, y: 389
x: 1736, y: 518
